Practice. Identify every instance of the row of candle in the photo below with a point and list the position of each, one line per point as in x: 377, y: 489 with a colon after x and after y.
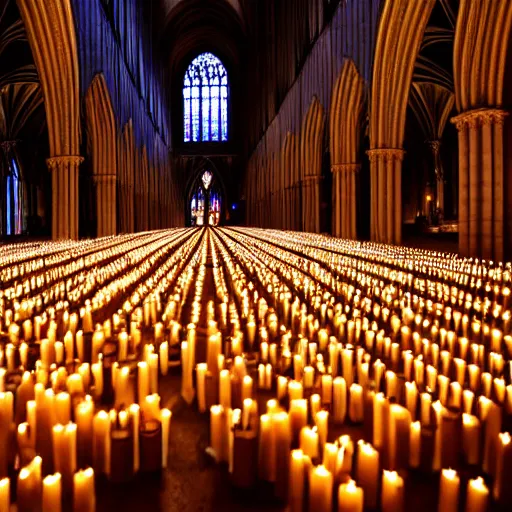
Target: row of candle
x: 55, y: 395
x: 352, y: 371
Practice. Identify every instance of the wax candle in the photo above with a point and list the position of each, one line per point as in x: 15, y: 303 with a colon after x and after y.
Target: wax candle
x: 5, y: 494
x: 356, y: 404
x: 392, y: 492
x: 477, y: 497
x: 267, y: 449
x: 217, y: 422
x: 52, y: 493
x: 398, y: 436
x: 449, y: 491
x: 201, y: 370
x: 350, y: 497
x: 101, y: 442
x: 296, y: 487
x: 501, y: 489
x: 339, y: 400
x: 415, y: 444
x: 367, y: 472
x: 165, y: 419
x: 84, y: 496
x: 320, y: 490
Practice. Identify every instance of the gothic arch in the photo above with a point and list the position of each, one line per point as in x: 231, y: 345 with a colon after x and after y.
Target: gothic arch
x: 346, y: 114
x: 401, y: 28
x: 51, y: 35
x: 311, y: 156
x: 102, y: 139
x: 482, y: 36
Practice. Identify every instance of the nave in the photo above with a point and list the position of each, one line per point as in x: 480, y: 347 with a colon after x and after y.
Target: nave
x: 248, y: 369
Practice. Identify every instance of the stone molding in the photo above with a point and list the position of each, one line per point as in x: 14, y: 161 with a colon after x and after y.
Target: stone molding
x: 345, y: 168
x: 386, y: 154
x: 57, y: 161
x: 479, y: 117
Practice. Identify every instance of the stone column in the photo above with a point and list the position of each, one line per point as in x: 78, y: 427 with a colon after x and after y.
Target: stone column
x: 386, y: 195
x: 481, y: 183
x: 435, y: 148
x: 105, y: 204
x: 311, y: 204
x: 64, y: 171
x: 344, y: 222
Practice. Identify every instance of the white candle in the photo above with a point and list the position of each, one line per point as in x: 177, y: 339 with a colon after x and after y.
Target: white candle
x: 477, y: 497
x: 449, y: 491
x: 320, y: 490
x: 392, y: 492
x: 350, y: 497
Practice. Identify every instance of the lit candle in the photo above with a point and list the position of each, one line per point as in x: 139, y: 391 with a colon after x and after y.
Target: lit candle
x: 449, y: 491
x: 477, y: 497
x: 350, y: 497
x: 296, y: 487
x: 356, y: 405
x: 52, y: 491
x: 165, y: 419
x: 501, y: 490
x: 5, y: 494
x: 367, y: 472
x: 84, y: 496
x: 392, y: 492
x: 320, y: 490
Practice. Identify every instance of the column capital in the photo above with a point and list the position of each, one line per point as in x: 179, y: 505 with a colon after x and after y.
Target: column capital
x: 104, y: 178
x: 386, y: 154
x: 479, y: 117
x: 56, y: 161
x: 312, y: 178
x: 345, y: 168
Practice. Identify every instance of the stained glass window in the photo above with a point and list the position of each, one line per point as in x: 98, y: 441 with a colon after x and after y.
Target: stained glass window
x: 205, y: 100
x: 207, y: 179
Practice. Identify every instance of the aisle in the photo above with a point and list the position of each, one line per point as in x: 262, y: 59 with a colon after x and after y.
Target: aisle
x: 193, y: 482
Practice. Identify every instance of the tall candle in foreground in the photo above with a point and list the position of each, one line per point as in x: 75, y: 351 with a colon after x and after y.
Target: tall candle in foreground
x: 350, y: 497
x: 477, y: 497
x: 320, y: 490
x: 84, y: 499
x: 449, y: 491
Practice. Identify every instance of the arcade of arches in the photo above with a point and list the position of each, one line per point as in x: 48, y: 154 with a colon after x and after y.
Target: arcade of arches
x: 323, y: 180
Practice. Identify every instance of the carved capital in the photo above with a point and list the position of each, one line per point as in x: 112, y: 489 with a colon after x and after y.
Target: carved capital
x: 104, y: 178
x: 386, y: 154
x: 59, y: 161
x: 312, y: 178
x: 345, y: 168
x: 479, y: 117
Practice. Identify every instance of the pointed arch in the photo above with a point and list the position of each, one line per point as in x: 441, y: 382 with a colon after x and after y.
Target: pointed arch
x: 482, y: 39
x: 311, y: 158
x: 102, y: 141
x: 345, y: 122
x: 401, y: 28
x: 127, y: 178
x: 51, y: 34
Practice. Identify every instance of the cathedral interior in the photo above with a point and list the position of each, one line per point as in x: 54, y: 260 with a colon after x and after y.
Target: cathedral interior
x: 255, y: 255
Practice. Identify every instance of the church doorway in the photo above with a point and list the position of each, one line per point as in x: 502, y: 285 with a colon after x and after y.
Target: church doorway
x: 206, y: 201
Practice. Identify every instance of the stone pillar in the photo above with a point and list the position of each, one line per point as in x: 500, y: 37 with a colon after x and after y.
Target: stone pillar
x: 481, y: 182
x: 386, y: 195
x: 435, y: 149
x: 64, y: 171
x: 311, y: 204
x: 344, y: 201
x: 105, y: 204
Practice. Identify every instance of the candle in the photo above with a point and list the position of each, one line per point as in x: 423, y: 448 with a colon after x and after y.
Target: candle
x: 471, y: 439
x: 225, y: 389
x: 84, y: 497
x: 339, y: 400
x: 165, y: 418
x: 309, y: 442
x: 5, y: 494
x: 449, y: 491
x: 101, y: 442
x: 501, y: 490
x: 398, y: 436
x: 267, y: 449
x: 217, y: 431
x: 296, y: 487
x: 320, y: 490
x: 367, y: 472
x: 52, y: 490
x: 356, y: 405
x: 350, y: 497
x: 477, y: 496
x: 415, y: 445
x: 392, y: 492
x: 201, y: 370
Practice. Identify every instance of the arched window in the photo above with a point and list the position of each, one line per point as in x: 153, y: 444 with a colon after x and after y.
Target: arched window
x: 205, y: 204
x: 205, y: 100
